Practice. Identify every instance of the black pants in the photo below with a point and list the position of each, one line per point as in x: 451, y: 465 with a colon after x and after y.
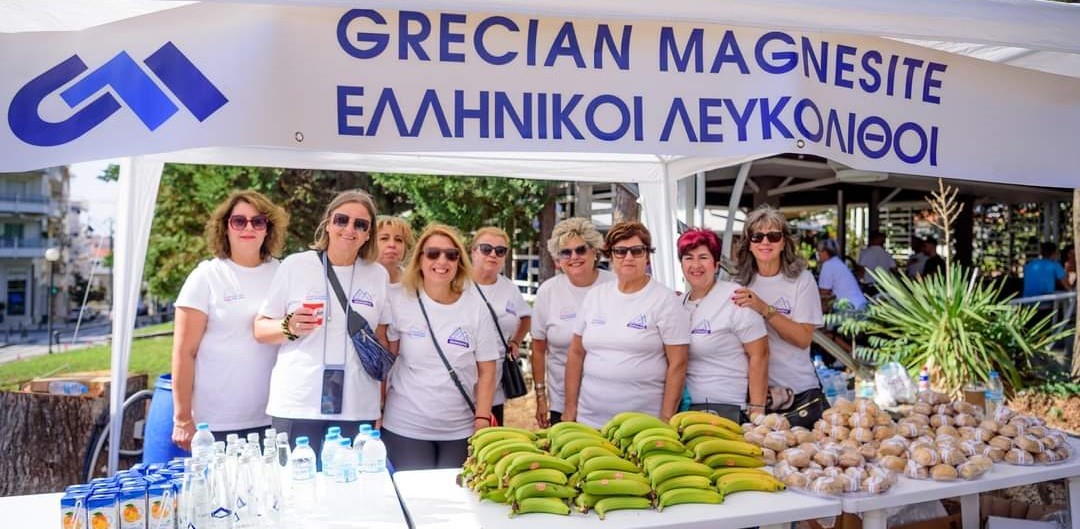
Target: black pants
x: 222, y: 436
x: 315, y: 431
x: 417, y: 454
x: 497, y: 412
x: 554, y: 417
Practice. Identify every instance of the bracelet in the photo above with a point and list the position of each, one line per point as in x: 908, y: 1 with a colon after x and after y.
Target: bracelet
x: 540, y: 386
x: 285, y: 327
x: 762, y: 406
x: 483, y: 418
x: 181, y: 424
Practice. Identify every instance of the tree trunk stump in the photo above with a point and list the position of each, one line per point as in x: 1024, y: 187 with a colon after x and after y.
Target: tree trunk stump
x: 44, y: 438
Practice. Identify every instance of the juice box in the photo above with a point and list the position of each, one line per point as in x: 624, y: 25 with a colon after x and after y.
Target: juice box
x: 101, y: 511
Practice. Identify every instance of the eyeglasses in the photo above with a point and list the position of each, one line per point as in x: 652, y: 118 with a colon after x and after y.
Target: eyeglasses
x: 452, y: 254
x: 341, y: 220
x: 773, y: 236
x: 486, y: 249
x: 258, y: 222
x: 580, y: 251
x: 636, y: 251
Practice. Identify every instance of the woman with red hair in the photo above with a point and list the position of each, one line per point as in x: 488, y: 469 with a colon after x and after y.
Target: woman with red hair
x: 729, y: 352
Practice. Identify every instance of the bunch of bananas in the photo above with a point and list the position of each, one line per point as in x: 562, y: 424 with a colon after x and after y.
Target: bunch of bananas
x: 609, y: 482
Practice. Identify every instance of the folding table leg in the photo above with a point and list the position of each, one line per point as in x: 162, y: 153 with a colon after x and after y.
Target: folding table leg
x: 969, y: 511
x: 874, y: 519
x: 1074, y: 501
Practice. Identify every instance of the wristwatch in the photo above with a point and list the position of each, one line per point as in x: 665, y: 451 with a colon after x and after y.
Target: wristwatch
x: 769, y: 312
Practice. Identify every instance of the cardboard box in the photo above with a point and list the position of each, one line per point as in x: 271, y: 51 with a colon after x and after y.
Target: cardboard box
x: 97, y: 382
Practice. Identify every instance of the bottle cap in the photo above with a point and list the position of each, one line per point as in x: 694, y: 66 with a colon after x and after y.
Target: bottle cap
x: 993, y: 373
x: 202, y: 426
x: 365, y: 427
x: 345, y: 441
x: 375, y: 434
x: 333, y: 430
x: 302, y: 441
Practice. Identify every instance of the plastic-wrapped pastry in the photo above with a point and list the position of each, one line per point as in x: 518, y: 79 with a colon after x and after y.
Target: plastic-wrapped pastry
x: 1063, y: 452
x: 1053, y: 440
x: 964, y: 419
x: 776, y: 441
x: 783, y: 469
x: 876, y: 485
x: 838, y: 433
x: 833, y: 472
x: 754, y: 438
x: 796, y: 480
x: 1049, y: 456
x: 761, y: 429
x: 947, y: 431
x: 768, y: 455
x: 856, y: 473
x: 860, y: 420
x: 810, y: 448
x: 850, y: 458
x: 894, y: 463
x: 1001, y: 442
x: 922, y: 408
x: 884, y: 431
x: 1011, y: 430
x: 1038, y: 431
x: 1019, y: 456
x: 862, y: 435
x: 869, y: 451
x: 971, y: 447
x: 981, y: 461
x: 843, y: 405
x: 826, y: 458
x: 827, y: 485
x: 984, y: 434
x: 916, y: 471
x: 813, y: 473
x: 966, y: 407
x: 990, y: 424
x: 802, y: 435
x: 951, y: 455
x: 892, y: 446
x: 850, y: 485
x: 832, y: 416
x: 747, y: 427
x: 944, y: 409
x: 1029, y: 443
x: 995, y: 454
x: 791, y: 439
x: 940, y: 419
x: 1002, y: 414
x: 907, y: 429
x: 917, y: 418
x: 943, y: 472
x: 925, y: 456
x: 867, y: 407
x: 796, y: 457
x: 883, y: 419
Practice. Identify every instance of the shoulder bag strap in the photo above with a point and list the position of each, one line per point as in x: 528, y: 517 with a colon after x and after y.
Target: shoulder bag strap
x: 340, y: 293
x: 446, y: 363
x: 506, y: 346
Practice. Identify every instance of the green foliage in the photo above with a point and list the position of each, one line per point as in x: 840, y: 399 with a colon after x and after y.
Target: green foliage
x: 471, y: 202
x: 961, y: 327
x: 1057, y: 384
x: 152, y: 356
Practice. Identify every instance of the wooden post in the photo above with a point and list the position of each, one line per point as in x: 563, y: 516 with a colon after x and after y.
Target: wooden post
x: 1076, y: 333
x: 624, y: 205
x: 547, y: 225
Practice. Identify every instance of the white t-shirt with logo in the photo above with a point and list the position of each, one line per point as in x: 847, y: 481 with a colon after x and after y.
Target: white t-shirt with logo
x: 232, y: 370
x: 836, y: 276
x: 624, y: 337
x: 422, y: 401
x: 874, y: 257
x: 296, y: 383
x: 555, y: 316
x: 719, y: 370
x: 800, y: 301
x: 510, y: 306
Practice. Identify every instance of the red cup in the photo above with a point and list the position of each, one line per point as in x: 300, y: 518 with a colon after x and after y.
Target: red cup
x: 317, y: 310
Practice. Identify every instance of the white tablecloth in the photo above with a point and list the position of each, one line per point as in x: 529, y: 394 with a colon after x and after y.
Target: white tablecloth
x: 432, y: 500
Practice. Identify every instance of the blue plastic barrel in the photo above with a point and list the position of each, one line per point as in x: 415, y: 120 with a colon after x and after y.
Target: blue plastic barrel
x: 157, y: 444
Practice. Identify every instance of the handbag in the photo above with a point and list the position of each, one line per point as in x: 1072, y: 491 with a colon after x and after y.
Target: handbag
x: 446, y: 363
x: 374, y: 358
x: 513, y: 379
x: 800, y: 409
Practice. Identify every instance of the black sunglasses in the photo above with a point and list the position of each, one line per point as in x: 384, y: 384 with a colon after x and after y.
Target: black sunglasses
x: 773, y: 236
x: 341, y: 220
x: 258, y: 222
x: 636, y: 251
x: 486, y: 249
x: 452, y: 254
x: 565, y: 253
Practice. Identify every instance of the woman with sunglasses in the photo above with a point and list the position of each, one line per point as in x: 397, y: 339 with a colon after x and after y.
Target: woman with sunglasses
x: 214, y: 311
x: 729, y: 352
x: 575, y: 245
x: 395, y: 239
x: 318, y: 380
x: 439, y: 322
x: 489, y: 249
x: 630, y: 346
x: 777, y: 285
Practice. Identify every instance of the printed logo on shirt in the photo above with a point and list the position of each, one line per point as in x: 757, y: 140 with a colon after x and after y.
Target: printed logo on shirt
x: 639, y: 322
x: 510, y: 308
x: 459, y: 338
x: 362, y: 297
x: 598, y: 320
x: 702, y: 327
x: 415, y: 332
x: 783, y: 306
x: 567, y: 314
x: 233, y: 296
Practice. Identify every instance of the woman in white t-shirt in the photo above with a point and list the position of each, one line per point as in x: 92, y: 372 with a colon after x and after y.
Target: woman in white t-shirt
x: 777, y: 285
x: 318, y: 380
x: 630, y: 347
x: 575, y: 245
x: 729, y: 351
x: 439, y: 321
x: 489, y: 249
x: 220, y: 374
x: 395, y: 239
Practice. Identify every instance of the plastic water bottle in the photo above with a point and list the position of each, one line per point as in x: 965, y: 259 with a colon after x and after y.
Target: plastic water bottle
x: 924, y: 379
x: 67, y: 387
x: 995, y: 394
x: 374, y: 453
x: 202, y: 443
x: 303, y: 473
x: 329, y: 449
x: 362, y: 437
x: 819, y: 364
x: 345, y: 462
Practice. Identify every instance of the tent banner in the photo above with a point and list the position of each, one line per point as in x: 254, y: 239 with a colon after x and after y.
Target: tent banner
x: 379, y: 80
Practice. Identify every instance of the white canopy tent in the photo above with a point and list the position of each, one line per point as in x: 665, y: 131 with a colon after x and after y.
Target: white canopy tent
x: 1038, y: 36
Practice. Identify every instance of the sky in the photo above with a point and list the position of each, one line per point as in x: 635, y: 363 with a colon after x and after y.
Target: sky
x: 100, y: 197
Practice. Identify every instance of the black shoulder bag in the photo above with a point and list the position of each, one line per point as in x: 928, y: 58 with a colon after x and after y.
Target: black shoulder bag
x: 374, y: 358
x: 446, y: 363
x: 513, y: 379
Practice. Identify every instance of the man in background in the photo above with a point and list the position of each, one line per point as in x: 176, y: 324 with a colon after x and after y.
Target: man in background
x: 875, y: 257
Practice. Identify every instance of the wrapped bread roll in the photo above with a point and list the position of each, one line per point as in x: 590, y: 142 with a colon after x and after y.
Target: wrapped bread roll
x: 782, y: 468
x: 761, y: 430
x: 966, y: 408
x: 908, y: 429
x: 860, y: 420
x: 883, y: 473
x: 796, y: 457
x: 802, y: 435
x: 843, y: 405
x: 791, y: 439
x: 883, y: 419
x: 990, y: 424
x: 944, y: 409
x: 776, y: 422
x: 917, y: 418
x: 951, y: 455
x: 1063, y: 452
x: 940, y: 419
x: 964, y: 419
x: 893, y: 446
x: 1029, y: 443
x: 925, y: 456
x: 867, y: 407
x: 947, y: 431
x: 876, y: 485
x: 943, y: 472
x: 768, y: 456
x: 1038, y: 431
x: 1002, y: 414
x: 862, y: 435
x: 1018, y: 456
x: 1052, y: 441
x: 894, y: 463
x: 754, y: 438
x: 826, y: 458
x: 747, y: 427
x: 995, y: 454
x: 983, y: 435
x: 883, y: 432
x: 809, y: 448
x: 850, y: 458
x: 838, y: 433
x: 832, y: 416
x: 969, y: 471
x: 833, y: 472
x: 869, y: 451
x: 796, y: 480
x: 971, y: 447
x: 827, y: 485
x: 916, y: 471
x: 813, y: 473
x: 856, y: 473
x: 922, y: 408
x: 850, y: 485
x: 1001, y: 442
x: 776, y: 441
x: 1011, y: 430
x: 981, y: 461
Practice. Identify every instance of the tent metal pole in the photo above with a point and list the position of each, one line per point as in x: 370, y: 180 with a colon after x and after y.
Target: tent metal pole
x: 700, y: 199
x: 733, y: 206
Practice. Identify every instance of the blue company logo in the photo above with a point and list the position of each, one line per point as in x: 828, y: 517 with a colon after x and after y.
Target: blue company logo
x: 703, y: 327
x: 363, y: 297
x: 128, y: 80
x: 459, y: 338
x: 639, y: 323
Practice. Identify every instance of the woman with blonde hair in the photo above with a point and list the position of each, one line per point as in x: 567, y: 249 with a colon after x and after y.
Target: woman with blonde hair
x: 629, y: 348
x: 220, y: 374
x: 395, y: 239
x: 512, y: 314
x: 575, y: 246
x: 318, y: 380
x: 441, y: 387
x: 777, y: 285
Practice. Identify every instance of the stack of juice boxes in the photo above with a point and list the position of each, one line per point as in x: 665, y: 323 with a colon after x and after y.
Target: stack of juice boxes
x: 142, y: 497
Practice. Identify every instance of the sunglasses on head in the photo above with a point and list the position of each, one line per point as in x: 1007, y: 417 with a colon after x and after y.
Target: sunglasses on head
x: 636, y: 251
x: 239, y: 222
x: 341, y: 220
x: 452, y: 254
x: 773, y: 236
x: 486, y: 249
x: 580, y: 251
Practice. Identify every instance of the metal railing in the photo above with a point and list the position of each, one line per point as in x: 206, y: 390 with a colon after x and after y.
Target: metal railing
x: 1064, y: 304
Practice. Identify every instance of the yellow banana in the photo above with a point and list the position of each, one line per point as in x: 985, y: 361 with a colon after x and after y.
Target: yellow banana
x: 673, y: 469
x: 681, y: 496
x: 659, y: 444
x: 630, y: 427
x: 616, y: 487
x: 490, y: 481
x: 733, y: 483
x: 535, y: 461
x: 483, y: 442
x: 724, y: 471
x: 495, y: 495
x: 500, y: 468
x: 607, y: 463
x: 540, y: 505
x: 665, y: 431
x: 615, y: 503
x: 574, y: 460
x: 597, y: 475
x: 557, y: 443
x: 656, y: 459
x: 549, y: 475
x: 694, y: 431
x: 560, y: 428
x: 683, y: 482
x: 542, y: 443
x: 733, y: 460
x: 499, y: 451
x: 543, y: 489
x: 608, y: 430
x: 575, y: 446
x: 590, y: 452
x: 584, y: 502
x: 484, y: 455
x: 700, y: 417
x: 724, y: 446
